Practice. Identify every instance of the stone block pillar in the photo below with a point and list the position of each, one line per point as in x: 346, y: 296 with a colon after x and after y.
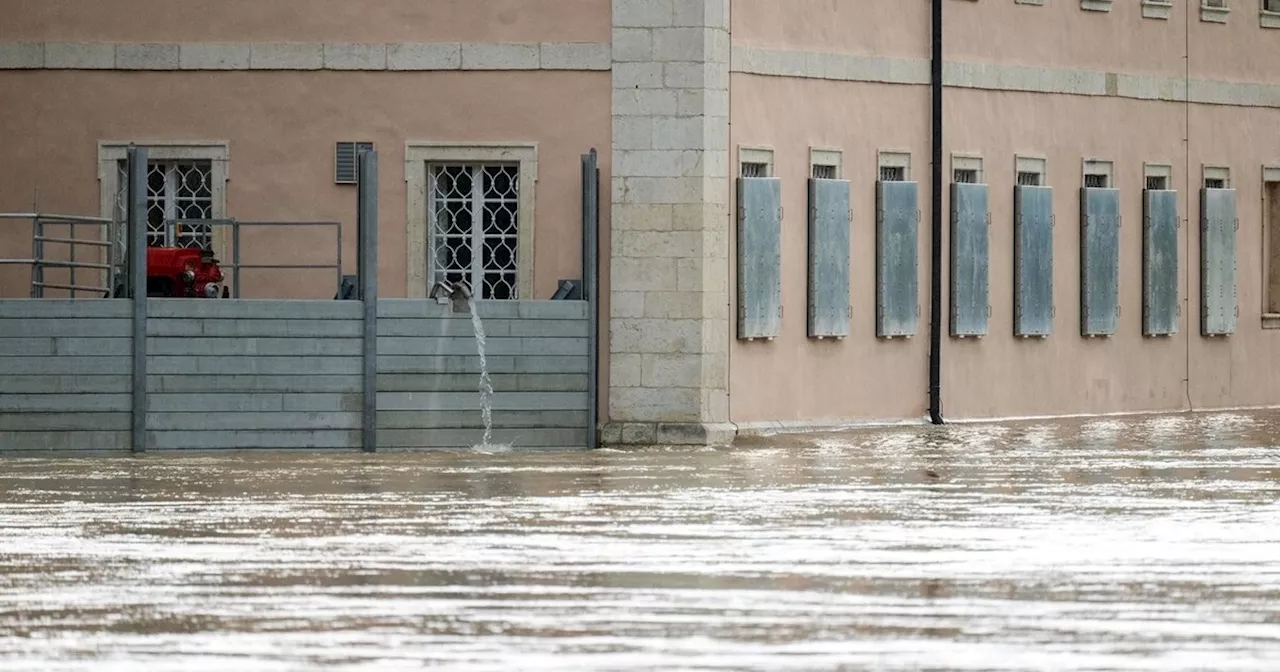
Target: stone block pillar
x: 669, y: 321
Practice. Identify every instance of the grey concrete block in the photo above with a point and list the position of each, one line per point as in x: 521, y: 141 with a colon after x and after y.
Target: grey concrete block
x: 553, y: 310
x: 355, y: 56
x: 259, y: 328
x: 497, y: 364
x: 62, y: 308
x: 69, y: 441
x: 248, y: 384
x: 65, y: 384
x: 77, y: 327
x: 71, y: 347
x: 61, y: 422
x: 200, y: 423
x: 430, y: 308
x: 469, y: 382
x: 146, y: 56
x: 440, y: 328
x: 424, y: 56
x: 500, y: 56
x: 437, y: 347
x: 473, y: 420
x: 294, y: 347
x: 315, y: 439
x: 255, y: 309
x: 272, y: 366
x: 262, y: 402
x: 575, y: 56
x: 64, y: 403
x: 213, y: 56
x: 465, y: 439
x: 65, y: 366
x: 281, y: 56
x: 548, y: 328
x: 79, y: 56
x: 462, y: 401
x: 21, y: 55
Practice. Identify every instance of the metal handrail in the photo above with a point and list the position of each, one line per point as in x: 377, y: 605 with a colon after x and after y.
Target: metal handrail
x: 236, y: 265
x: 39, y: 263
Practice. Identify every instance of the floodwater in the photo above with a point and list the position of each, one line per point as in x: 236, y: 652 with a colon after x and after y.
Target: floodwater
x: 1143, y: 544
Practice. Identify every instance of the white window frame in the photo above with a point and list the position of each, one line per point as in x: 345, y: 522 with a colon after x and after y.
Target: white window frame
x: 1211, y: 14
x: 418, y: 154
x: 217, y: 152
x: 967, y: 161
x: 756, y: 154
x: 1267, y: 18
x: 819, y: 156
x: 1164, y: 170
x: 1216, y: 172
x: 1023, y: 163
x: 1099, y: 167
x: 894, y: 159
x: 1157, y: 9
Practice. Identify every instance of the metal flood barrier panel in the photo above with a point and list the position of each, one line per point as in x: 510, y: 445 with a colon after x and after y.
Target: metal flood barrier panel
x: 1033, y: 261
x: 1218, y: 226
x: 281, y: 374
x: 759, y: 257
x: 830, y: 217
x: 1099, y: 261
x: 1160, y: 309
x: 970, y: 260
x: 897, y: 259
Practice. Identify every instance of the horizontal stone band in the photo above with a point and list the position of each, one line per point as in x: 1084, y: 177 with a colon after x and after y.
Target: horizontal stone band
x: 1000, y: 77
x: 402, y: 56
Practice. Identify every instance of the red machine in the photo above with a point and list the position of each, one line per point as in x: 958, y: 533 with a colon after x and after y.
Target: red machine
x: 180, y: 272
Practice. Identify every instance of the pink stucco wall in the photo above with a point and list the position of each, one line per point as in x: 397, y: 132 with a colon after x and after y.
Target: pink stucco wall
x: 307, y: 21
x: 282, y: 128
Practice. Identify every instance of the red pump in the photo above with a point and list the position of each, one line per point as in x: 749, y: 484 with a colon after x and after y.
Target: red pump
x: 181, y: 272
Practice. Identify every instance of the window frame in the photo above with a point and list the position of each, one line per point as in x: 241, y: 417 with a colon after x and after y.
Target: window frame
x: 418, y: 156
x: 217, y: 152
x: 1270, y: 176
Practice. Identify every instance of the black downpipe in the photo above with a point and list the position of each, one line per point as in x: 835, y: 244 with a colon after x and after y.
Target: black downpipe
x: 935, y: 211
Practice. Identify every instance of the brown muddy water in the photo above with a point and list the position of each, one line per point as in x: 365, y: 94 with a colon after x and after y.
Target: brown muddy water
x: 1143, y: 544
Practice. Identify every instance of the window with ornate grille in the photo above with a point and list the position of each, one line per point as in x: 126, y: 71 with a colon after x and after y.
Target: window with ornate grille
x: 176, y: 190
x: 893, y: 174
x: 1027, y: 178
x: 821, y: 172
x: 965, y: 176
x: 1157, y: 182
x: 474, y: 223
x: 754, y: 169
x: 1215, y: 183
x: 1095, y: 181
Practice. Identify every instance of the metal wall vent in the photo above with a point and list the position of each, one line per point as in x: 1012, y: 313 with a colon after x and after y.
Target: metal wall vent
x: 345, y: 161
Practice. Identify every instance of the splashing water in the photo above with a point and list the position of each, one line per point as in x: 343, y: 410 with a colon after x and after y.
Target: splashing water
x: 486, y: 384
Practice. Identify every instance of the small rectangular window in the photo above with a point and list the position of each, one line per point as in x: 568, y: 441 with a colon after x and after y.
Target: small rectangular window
x: 821, y: 172
x: 1217, y: 177
x: 1095, y: 181
x: 965, y: 176
x: 892, y: 174
x: 754, y: 169
x: 1271, y: 230
x: 473, y: 214
x: 894, y: 166
x: 1157, y: 183
x: 755, y: 162
x: 1027, y: 178
x: 966, y: 169
x: 1098, y: 174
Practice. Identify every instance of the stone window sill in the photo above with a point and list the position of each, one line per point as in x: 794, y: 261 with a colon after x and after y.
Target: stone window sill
x: 1095, y: 5
x: 1038, y: 3
x: 1269, y: 19
x: 1214, y: 14
x: 1271, y: 320
x: 1157, y: 10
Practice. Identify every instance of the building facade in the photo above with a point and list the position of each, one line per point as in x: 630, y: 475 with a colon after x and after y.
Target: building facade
x: 769, y: 228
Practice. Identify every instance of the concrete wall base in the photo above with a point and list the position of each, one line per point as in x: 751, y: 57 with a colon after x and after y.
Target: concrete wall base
x: 668, y: 434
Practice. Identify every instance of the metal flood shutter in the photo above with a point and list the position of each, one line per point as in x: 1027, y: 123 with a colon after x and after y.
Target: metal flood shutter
x: 1160, y: 263
x: 829, y: 221
x: 1033, y: 261
x: 970, y: 259
x: 1218, y: 262
x: 897, y: 259
x: 759, y: 257
x: 1099, y: 261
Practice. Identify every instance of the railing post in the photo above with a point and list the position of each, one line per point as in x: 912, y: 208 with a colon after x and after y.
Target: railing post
x: 235, y: 256
x: 37, y: 258
x: 590, y: 283
x: 137, y: 286
x: 367, y: 237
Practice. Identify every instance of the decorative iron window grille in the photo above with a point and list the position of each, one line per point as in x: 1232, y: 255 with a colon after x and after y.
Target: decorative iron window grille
x: 1157, y: 182
x: 176, y: 190
x: 474, y: 223
x: 1215, y: 183
x: 751, y: 169
x: 1028, y: 179
x: 893, y: 174
x: 1095, y: 181
x: 821, y: 172
x: 965, y: 176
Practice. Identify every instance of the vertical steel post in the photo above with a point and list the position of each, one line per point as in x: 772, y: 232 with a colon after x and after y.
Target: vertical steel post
x: 367, y: 236
x: 339, y: 226
x: 935, y: 256
x: 590, y: 284
x: 235, y: 256
x: 137, y: 285
x: 37, y: 258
